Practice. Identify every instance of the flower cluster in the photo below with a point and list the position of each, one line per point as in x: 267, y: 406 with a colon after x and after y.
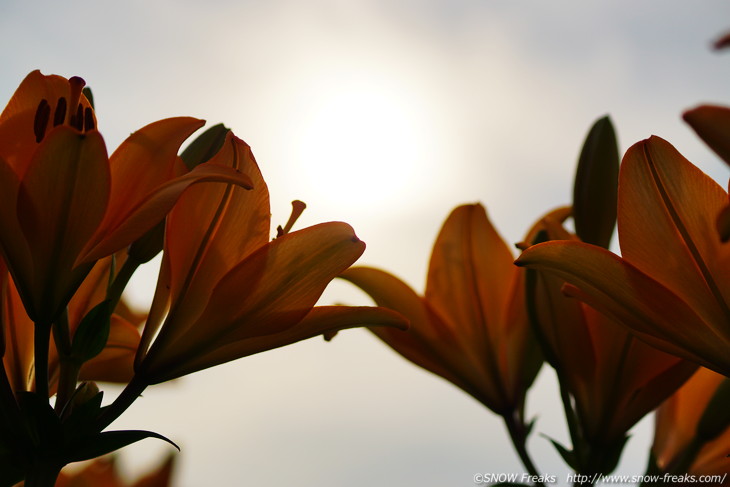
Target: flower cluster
x: 626, y: 335
x: 643, y: 330
x: 76, y: 223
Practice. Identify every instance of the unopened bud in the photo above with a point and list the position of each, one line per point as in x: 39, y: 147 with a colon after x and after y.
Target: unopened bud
x: 85, y: 392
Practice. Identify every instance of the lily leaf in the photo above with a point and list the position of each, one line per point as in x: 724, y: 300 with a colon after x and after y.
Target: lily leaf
x: 596, y: 185
x: 93, y: 332
x: 109, y: 441
x: 569, y: 456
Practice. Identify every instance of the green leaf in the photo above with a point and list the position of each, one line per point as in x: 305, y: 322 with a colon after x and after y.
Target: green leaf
x: 93, y: 332
x: 568, y: 456
x: 595, y: 188
x: 109, y: 441
x: 205, y: 146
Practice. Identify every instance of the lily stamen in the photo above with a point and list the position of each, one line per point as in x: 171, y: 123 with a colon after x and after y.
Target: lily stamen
x: 59, y: 115
x: 42, y: 114
x: 297, y: 208
x: 77, y: 120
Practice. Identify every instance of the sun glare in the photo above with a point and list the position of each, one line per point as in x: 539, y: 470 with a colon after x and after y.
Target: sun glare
x: 359, y: 147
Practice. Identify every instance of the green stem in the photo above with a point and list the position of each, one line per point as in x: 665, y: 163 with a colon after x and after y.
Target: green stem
x: 67, y: 381
x: 41, y: 341
x: 518, y: 434
x: 68, y: 370
x: 114, y: 293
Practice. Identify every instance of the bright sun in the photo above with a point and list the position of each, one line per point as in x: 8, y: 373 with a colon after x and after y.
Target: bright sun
x: 360, y: 148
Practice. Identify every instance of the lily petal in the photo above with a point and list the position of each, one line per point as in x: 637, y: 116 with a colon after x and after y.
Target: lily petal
x: 320, y: 320
x: 620, y: 290
x: 469, y: 275
x: 267, y: 293
x: 230, y: 224
x: 429, y: 342
x: 712, y: 124
x: 18, y: 141
x: 667, y: 226
x: 18, y: 338
x: 676, y: 423
x: 61, y: 201
x: 150, y: 208
x: 115, y: 362
x: 144, y: 161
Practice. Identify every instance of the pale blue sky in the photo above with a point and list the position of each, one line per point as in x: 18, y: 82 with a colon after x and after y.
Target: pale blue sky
x: 426, y: 104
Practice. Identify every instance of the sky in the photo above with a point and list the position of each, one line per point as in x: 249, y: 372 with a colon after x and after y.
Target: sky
x: 385, y: 114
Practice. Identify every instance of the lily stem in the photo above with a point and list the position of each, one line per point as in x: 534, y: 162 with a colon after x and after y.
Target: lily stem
x: 41, y: 342
x: 67, y: 380
x: 114, y: 293
x: 518, y: 434
x: 68, y: 371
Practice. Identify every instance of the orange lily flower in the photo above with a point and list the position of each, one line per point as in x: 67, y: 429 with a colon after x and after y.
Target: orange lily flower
x: 670, y: 287
x: 471, y: 326
x: 613, y: 378
x: 65, y: 202
x: 676, y: 426
x: 231, y: 292
x: 113, y: 364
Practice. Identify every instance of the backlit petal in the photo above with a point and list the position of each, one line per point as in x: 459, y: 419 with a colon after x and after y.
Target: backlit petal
x: 426, y: 329
x: 18, y: 337
x: 60, y: 203
x: 270, y: 291
x: 17, y: 138
x: 133, y: 219
x: 712, y: 124
x: 667, y: 227
x: 469, y: 275
x: 320, y: 320
x: 676, y: 421
x: 146, y: 160
x: 620, y: 290
x: 230, y: 223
